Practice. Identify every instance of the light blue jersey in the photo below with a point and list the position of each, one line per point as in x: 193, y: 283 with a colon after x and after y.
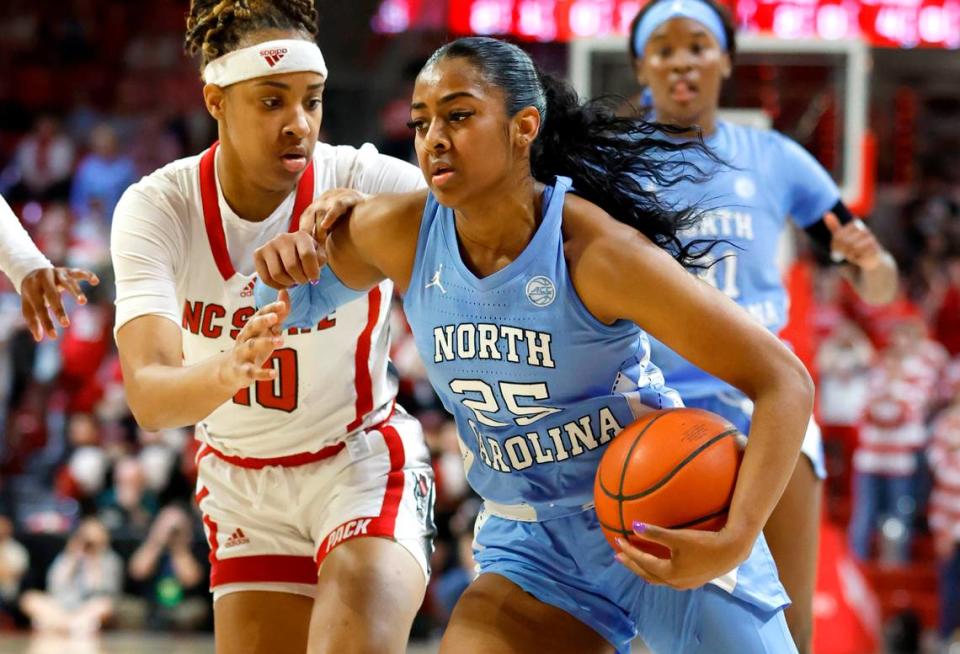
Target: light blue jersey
x: 538, y: 386
x: 767, y: 178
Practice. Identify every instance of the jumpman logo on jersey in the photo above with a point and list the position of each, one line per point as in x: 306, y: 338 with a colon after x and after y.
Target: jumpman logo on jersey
x: 436, y: 280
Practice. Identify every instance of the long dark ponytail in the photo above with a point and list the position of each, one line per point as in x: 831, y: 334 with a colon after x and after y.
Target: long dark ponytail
x: 616, y: 162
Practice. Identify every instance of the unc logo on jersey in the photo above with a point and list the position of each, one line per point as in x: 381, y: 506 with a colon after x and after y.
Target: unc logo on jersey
x: 745, y: 187
x: 541, y: 291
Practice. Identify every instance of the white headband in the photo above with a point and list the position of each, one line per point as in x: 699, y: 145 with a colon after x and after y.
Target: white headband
x: 267, y: 58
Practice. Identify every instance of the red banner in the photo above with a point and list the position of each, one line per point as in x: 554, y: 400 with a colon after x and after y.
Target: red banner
x: 897, y: 23
x: 901, y: 23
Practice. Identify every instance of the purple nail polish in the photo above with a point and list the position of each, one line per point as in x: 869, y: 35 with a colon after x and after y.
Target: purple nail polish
x: 639, y: 527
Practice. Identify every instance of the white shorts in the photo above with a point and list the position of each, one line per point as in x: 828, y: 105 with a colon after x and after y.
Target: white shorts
x: 271, y: 522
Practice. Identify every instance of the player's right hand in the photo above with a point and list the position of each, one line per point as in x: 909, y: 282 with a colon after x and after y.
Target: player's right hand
x: 256, y: 342
x: 40, y: 294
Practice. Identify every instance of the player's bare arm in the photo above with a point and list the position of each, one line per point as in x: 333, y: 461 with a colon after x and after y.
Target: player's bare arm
x: 320, y: 217
x: 378, y: 241
x: 296, y: 258
x: 711, y: 331
x: 373, y: 239
x: 163, y: 393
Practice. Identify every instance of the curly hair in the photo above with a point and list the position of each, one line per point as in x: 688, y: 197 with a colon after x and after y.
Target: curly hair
x: 215, y: 27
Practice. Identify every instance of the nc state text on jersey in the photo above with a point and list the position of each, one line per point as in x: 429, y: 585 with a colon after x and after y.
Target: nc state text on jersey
x: 208, y: 319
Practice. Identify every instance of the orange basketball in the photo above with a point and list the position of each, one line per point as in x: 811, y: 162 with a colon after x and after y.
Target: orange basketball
x: 674, y: 468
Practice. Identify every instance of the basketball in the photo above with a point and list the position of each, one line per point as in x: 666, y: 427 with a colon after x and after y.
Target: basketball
x: 674, y: 468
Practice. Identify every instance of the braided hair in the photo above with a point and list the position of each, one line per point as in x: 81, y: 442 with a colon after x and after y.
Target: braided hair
x: 216, y: 27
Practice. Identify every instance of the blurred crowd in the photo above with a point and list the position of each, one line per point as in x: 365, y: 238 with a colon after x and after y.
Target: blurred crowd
x: 98, y: 523
x: 888, y: 383
x: 97, y: 520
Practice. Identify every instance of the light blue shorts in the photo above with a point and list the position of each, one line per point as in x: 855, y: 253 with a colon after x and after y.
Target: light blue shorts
x: 566, y: 562
x: 738, y: 409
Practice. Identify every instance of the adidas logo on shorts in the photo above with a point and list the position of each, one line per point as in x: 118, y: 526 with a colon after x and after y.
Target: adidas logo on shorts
x: 236, y: 538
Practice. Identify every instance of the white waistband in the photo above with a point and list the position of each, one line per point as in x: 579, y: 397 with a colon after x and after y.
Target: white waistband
x: 532, y: 513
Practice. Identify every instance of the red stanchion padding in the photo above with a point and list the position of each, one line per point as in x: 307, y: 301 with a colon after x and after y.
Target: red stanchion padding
x: 846, y: 613
x: 863, y: 205
x: 799, y: 331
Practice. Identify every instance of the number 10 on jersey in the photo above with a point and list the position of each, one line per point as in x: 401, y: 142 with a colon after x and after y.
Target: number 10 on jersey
x: 279, y: 394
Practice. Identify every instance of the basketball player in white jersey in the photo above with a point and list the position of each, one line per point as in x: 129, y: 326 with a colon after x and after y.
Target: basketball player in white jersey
x: 36, y: 279
x: 304, y: 456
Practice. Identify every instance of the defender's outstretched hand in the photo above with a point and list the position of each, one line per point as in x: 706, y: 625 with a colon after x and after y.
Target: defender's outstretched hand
x: 289, y: 259
x: 297, y: 258
x: 40, y: 295
x: 254, y: 345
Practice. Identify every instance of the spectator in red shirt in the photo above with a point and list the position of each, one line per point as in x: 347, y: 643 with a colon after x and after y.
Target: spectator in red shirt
x: 946, y: 318
x: 892, y: 435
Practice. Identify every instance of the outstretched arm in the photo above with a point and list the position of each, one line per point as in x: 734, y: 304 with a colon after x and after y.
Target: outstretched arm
x: 872, y: 269
x: 36, y: 279
x: 376, y: 241
x: 813, y: 201
x: 712, y: 332
x: 163, y: 393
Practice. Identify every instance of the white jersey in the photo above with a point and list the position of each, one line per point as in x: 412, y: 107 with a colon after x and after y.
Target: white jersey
x: 180, y: 252
x: 18, y: 255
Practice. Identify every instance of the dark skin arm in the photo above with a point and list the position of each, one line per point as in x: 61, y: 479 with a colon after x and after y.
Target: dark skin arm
x: 379, y: 241
x: 163, y: 393
x: 872, y: 270
x: 727, y: 343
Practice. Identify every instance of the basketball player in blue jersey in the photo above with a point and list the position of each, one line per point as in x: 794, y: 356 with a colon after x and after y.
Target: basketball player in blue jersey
x: 682, y: 51
x: 525, y: 296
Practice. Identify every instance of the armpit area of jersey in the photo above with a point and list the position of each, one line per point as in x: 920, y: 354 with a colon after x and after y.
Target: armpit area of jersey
x: 309, y: 303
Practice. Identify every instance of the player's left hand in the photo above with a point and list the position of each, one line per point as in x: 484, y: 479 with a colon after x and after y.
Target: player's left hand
x: 853, y: 242
x: 289, y: 259
x: 40, y: 296
x: 329, y: 207
x: 696, y: 557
